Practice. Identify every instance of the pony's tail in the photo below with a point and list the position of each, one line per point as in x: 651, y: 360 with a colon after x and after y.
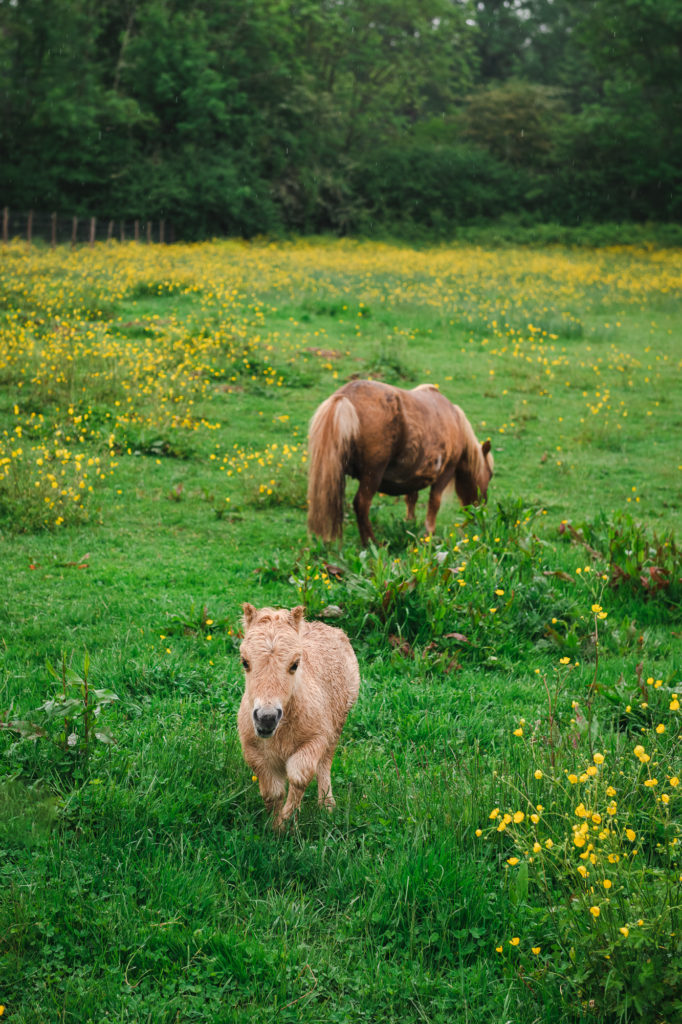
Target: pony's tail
x: 331, y: 432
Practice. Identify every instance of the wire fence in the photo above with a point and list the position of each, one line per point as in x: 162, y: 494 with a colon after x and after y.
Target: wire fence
x: 57, y: 229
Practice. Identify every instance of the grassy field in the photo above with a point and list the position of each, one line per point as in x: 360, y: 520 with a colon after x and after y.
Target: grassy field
x: 506, y: 845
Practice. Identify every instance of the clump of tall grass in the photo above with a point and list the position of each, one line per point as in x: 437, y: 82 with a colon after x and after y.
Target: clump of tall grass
x: 44, y: 486
x: 590, y: 843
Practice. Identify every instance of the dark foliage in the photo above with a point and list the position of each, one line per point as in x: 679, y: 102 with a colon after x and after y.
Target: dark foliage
x: 246, y: 118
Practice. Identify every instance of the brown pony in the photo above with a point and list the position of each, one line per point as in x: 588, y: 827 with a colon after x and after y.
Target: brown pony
x: 393, y: 441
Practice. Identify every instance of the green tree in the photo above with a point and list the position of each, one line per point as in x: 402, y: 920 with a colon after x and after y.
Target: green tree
x: 514, y: 121
x: 625, y: 144
x: 367, y: 72
x: 57, y: 112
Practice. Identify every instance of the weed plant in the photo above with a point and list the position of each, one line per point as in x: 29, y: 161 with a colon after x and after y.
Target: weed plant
x: 506, y: 841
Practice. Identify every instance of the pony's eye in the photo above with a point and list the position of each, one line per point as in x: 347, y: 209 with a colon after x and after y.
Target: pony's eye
x: 293, y: 666
x: 245, y: 664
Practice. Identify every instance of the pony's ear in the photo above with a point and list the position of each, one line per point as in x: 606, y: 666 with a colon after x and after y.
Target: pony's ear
x: 249, y: 614
x: 485, y: 447
x: 296, y: 616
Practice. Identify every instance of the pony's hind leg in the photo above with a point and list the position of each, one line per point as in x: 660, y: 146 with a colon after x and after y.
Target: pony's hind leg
x: 411, y: 503
x: 325, y: 797
x: 369, y: 485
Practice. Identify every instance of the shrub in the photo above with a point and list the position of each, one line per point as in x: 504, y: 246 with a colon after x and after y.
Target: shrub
x: 436, y: 187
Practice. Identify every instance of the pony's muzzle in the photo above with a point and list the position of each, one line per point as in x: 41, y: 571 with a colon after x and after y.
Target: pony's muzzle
x: 266, y: 719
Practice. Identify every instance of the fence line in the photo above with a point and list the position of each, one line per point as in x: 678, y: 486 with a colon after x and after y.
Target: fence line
x: 55, y: 229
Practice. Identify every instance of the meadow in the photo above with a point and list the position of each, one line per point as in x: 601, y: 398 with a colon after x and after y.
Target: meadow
x: 506, y: 843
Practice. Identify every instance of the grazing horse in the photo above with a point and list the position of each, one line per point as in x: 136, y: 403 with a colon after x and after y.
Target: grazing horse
x: 393, y: 441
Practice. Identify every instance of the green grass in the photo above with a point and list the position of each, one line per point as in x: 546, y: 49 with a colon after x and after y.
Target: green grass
x: 141, y: 880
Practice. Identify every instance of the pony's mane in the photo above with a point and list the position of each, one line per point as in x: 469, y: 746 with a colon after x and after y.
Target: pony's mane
x: 473, y: 453
x: 265, y: 632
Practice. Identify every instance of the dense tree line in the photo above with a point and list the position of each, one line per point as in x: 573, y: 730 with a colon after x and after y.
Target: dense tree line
x: 244, y: 116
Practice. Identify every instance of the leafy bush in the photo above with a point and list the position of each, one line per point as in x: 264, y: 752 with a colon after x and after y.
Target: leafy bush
x: 483, y: 592
x: 648, y: 565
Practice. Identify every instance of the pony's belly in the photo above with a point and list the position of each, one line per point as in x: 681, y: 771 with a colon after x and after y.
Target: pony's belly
x: 406, y: 484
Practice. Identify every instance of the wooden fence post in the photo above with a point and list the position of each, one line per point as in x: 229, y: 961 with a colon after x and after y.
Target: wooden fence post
x: 162, y: 231
x: 29, y: 227
x: 137, y: 231
x: 123, y: 231
x: 93, y: 225
x: 5, y: 225
x: 53, y: 230
x: 74, y: 231
x: 149, y: 231
x: 110, y: 230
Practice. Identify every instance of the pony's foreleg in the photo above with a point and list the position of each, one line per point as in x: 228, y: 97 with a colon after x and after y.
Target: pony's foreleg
x: 411, y: 502
x: 435, y: 497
